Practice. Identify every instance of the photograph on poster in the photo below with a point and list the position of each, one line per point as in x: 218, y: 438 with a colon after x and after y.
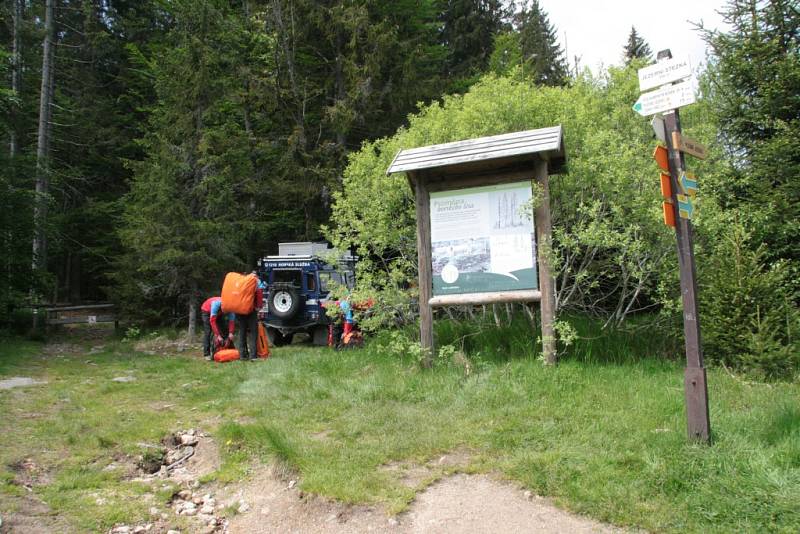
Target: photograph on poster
x: 471, y: 254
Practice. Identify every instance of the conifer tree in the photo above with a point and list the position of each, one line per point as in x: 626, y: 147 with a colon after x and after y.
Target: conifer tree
x: 636, y: 48
x: 468, y: 31
x: 754, y: 81
x: 542, y: 57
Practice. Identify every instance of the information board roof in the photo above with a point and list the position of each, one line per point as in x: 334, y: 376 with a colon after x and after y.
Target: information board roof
x: 546, y: 143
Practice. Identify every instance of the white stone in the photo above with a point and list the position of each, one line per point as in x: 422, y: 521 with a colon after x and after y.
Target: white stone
x: 189, y: 439
x: 197, y: 499
x: 394, y: 522
x: 211, y: 501
x: 244, y: 507
x: 123, y: 529
x: 528, y: 495
x: 153, y: 511
x: 139, y: 529
x: 124, y: 379
x: 292, y: 483
x: 207, y: 509
x: 185, y: 495
x: 173, y: 532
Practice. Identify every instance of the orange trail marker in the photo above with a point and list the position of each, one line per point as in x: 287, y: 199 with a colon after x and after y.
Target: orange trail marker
x: 662, y: 157
x: 669, y: 214
x: 666, y: 187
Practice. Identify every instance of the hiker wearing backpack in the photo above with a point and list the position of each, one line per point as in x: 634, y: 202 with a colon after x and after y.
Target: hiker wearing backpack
x: 243, y: 294
x: 247, y: 325
x: 212, y: 335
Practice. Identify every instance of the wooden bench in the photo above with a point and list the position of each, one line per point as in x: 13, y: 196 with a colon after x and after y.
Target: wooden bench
x: 84, y: 314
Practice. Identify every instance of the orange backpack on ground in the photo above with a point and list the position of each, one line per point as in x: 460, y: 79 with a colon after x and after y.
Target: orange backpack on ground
x: 262, y: 344
x: 226, y: 355
x: 239, y: 293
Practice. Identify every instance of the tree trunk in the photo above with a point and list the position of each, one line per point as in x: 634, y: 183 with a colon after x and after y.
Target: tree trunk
x: 16, y: 74
x: 43, y: 142
x: 192, y: 312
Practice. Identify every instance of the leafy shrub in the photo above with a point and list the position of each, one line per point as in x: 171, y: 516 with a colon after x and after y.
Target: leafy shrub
x: 748, y: 317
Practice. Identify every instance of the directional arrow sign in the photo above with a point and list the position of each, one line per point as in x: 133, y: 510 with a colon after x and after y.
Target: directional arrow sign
x: 660, y: 128
x: 665, y: 99
x: 685, y: 207
x: 689, y: 146
x: 688, y: 183
x: 661, y: 155
x: 664, y: 72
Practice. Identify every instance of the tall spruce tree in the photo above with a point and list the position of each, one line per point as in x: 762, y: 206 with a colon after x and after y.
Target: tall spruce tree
x: 468, y: 31
x: 186, y: 197
x: 542, y: 58
x: 754, y: 80
x: 636, y: 48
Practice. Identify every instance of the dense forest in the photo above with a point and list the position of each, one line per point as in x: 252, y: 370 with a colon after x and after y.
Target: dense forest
x: 153, y: 145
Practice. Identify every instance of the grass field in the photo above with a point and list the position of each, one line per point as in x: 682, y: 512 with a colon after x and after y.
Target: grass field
x: 603, y: 433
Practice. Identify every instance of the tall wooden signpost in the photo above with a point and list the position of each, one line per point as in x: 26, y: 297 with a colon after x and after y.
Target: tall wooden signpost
x: 474, y: 243
x: 679, y: 188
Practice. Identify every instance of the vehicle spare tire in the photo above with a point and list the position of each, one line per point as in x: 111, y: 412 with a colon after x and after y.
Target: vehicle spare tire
x: 284, y: 302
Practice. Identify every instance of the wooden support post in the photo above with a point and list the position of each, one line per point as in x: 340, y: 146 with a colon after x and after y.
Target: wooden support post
x: 544, y: 229
x: 696, y: 389
x: 423, y: 206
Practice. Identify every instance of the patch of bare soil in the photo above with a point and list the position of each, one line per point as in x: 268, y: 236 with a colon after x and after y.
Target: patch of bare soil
x: 28, y: 513
x: 275, y: 505
x: 478, y: 504
x: 163, y: 345
x: 418, y: 476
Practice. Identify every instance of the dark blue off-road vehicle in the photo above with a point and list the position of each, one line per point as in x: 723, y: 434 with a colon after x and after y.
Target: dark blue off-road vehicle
x: 298, y: 281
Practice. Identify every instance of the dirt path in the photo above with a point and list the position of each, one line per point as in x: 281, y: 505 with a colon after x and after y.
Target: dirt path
x: 456, y: 504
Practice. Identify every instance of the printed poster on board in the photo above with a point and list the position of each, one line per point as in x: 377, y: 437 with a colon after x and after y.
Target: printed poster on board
x: 482, y: 240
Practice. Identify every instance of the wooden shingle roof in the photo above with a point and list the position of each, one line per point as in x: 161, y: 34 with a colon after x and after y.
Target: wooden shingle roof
x: 546, y: 143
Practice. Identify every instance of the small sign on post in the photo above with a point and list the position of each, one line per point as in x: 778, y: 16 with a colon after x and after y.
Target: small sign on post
x: 689, y: 146
x: 664, y: 72
x: 667, y: 98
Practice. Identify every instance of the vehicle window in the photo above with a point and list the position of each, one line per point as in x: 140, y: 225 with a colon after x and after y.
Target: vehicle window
x: 311, y: 283
x: 287, y: 276
x: 325, y: 279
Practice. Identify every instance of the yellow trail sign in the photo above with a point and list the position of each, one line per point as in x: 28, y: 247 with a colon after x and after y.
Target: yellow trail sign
x: 689, y: 146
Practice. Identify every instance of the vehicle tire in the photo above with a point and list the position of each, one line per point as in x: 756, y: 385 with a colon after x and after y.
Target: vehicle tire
x: 284, y: 302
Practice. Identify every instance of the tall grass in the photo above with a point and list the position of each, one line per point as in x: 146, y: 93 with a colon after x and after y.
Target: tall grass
x: 641, y: 339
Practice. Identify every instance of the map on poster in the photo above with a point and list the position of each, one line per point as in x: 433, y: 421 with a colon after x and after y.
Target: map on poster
x: 482, y: 240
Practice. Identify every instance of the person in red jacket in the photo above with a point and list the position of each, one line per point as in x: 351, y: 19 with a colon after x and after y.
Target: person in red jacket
x: 248, y: 327
x: 211, y: 309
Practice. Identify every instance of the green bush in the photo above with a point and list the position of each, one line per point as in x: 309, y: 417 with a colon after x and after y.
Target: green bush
x: 748, y: 316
